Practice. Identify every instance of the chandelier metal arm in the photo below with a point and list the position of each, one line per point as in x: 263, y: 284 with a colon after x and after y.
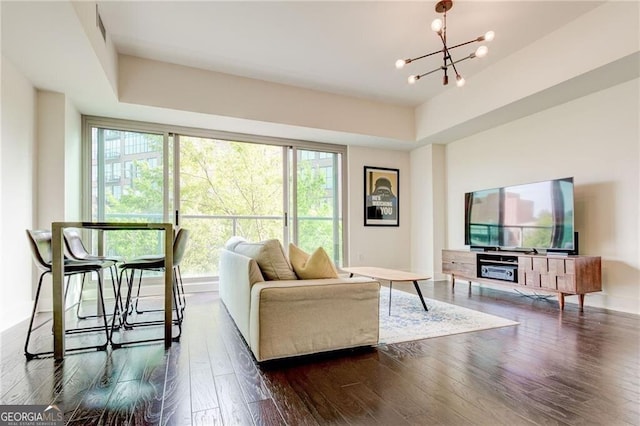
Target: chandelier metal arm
x: 440, y: 28
x: 429, y: 72
x: 435, y: 52
x: 481, y: 38
x: 470, y: 56
x: 447, y: 55
x: 408, y: 61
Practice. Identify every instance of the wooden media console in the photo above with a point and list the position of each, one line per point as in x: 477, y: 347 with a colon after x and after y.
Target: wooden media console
x: 564, y: 275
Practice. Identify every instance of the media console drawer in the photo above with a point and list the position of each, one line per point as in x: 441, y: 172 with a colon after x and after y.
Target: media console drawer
x: 562, y: 275
x: 463, y: 263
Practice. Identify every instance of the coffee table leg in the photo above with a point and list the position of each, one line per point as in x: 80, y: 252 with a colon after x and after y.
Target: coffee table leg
x: 424, y: 305
x: 390, y: 286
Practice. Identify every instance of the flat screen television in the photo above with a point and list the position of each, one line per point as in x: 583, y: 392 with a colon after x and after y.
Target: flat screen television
x: 529, y: 217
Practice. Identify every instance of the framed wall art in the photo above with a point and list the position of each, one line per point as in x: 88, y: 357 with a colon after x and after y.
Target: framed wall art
x: 381, y: 196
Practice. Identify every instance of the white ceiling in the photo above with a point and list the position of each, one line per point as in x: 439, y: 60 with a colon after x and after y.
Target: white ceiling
x: 347, y: 48
x: 343, y: 47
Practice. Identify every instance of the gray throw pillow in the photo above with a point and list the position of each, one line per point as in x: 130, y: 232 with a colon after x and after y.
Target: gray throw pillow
x: 270, y: 257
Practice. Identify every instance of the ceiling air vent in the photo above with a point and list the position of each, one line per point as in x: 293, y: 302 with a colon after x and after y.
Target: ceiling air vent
x: 100, y: 25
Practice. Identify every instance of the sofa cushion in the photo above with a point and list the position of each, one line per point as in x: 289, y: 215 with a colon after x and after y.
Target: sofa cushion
x: 314, y: 266
x: 270, y: 257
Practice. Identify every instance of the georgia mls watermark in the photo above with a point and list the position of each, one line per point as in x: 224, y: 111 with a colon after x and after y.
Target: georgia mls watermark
x: 31, y: 415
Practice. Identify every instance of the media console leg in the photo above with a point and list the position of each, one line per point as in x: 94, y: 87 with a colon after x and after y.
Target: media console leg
x: 561, y: 300
x: 453, y: 281
x: 581, y: 301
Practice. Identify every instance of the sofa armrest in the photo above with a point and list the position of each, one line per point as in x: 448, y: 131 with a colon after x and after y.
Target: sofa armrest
x: 298, y: 317
x: 235, y: 288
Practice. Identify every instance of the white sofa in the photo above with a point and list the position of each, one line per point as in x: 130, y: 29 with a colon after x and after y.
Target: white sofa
x: 281, y: 318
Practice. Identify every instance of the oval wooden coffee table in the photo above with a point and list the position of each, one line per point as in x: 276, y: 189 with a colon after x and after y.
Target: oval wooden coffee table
x: 390, y: 275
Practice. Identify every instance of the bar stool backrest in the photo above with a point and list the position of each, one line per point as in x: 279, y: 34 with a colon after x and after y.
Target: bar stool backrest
x: 40, y: 243
x: 180, y: 246
x: 75, y: 247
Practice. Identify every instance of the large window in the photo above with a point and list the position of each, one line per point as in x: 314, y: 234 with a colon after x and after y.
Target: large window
x: 123, y: 197
x: 228, y: 188
x: 220, y: 187
x: 316, y: 206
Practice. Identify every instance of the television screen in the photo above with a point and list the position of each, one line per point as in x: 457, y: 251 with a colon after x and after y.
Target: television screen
x: 532, y: 216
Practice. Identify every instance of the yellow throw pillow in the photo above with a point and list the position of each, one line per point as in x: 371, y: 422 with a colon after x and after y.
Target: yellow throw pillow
x: 308, y: 267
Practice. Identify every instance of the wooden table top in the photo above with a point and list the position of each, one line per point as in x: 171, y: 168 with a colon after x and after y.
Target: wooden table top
x: 385, y: 274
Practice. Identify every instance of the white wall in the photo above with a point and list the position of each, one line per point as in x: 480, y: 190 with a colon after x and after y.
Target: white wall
x: 164, y: 85
x: 17, y: 191
x: 596, y: 140
x: 383, y: 246
x: 428, y: 219
x: 51, y: 158
x: 105, y: 51
x: 59, y: 169
x: 40, y: 182
x: 72, y: 162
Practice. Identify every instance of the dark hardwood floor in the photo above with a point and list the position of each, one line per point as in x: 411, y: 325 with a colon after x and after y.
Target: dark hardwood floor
x: 553, y: 368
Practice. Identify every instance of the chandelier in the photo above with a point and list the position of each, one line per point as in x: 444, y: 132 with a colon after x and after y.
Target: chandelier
x: 439, y: 26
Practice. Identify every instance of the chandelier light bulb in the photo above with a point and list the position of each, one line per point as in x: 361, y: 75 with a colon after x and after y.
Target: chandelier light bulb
x: 400, y: 63
x: 481, y: 51
x: 436, y: 25
x: 460, y: 81
x: 412, y: 79
x: 489, y: 35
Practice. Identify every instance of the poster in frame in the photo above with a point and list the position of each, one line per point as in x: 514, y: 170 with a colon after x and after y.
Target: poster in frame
x: 381, y: 196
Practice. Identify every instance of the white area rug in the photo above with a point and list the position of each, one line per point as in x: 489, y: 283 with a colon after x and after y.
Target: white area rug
x: 409, y: 321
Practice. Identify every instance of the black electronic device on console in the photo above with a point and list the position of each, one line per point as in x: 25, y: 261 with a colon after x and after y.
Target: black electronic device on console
x: 500, y: 272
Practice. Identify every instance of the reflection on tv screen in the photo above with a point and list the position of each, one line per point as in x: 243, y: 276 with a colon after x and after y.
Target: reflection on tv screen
x: 535, y: 215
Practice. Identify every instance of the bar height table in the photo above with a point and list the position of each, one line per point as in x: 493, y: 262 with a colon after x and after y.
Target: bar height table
x: 57, y: 273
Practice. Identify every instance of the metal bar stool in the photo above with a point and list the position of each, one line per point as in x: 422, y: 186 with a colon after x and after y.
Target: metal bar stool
x: 77, y: 251
x: 150, y: 263
x: 40, y: 244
